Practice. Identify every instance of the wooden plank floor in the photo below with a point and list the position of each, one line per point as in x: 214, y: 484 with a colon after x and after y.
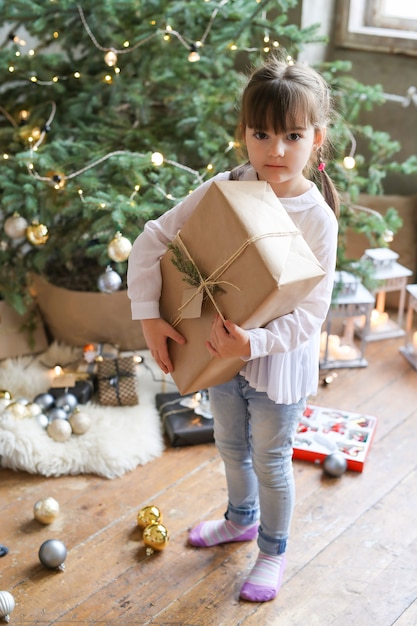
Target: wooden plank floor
x: 352, y: 558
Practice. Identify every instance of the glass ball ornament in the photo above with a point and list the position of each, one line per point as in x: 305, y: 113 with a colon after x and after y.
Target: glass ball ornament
x: 5, y: 399
x: 42, y: 420
x: 17, y: 410
x: 46, y: 510
x: 335, y: 464
x: 80, y: 422
x: 110, y: 281
x: 155, y: 538
x: 45, y: 400
x: 59, y: 430
x: 149, y: 515
x: 67, y: 401
x: 119, y: 248
x: 33, y: 409
x: 37, y: 234
x: 56, y: 413
x: 52, y: 554
x: 7, y: 605
x: 15, y: 226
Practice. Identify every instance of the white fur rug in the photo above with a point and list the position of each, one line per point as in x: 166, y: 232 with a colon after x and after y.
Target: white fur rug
x: 119, y: 438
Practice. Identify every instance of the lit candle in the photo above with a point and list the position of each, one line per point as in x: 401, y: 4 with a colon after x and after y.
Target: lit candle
x: 379, y: 318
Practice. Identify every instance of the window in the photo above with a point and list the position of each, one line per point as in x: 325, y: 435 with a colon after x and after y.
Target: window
x: 380, y: 25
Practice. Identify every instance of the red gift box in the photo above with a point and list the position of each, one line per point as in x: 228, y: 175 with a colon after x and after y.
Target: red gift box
x: 325, y: 430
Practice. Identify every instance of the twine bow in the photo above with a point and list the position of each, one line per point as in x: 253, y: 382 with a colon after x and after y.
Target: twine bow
x: 205, y: 285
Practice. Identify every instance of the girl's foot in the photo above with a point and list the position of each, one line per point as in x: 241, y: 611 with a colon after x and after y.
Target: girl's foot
x: 209, y: 534
x: 265, y: 579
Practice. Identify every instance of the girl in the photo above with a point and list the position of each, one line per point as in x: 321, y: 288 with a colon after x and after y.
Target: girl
x: 284, y: 113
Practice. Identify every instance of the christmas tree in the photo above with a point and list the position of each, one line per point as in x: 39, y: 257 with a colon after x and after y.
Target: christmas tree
x: 112, y: 112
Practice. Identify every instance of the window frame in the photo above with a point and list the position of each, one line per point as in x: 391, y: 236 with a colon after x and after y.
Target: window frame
x: 355, y: 29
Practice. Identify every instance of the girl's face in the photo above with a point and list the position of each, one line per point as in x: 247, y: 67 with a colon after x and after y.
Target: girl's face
x: 281, y: 158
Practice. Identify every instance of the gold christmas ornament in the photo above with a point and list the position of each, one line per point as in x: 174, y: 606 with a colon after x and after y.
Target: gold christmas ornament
x: 59, y: 430
x: 15, y: 226
x: 7, y: 605
x: 5, y: 398
x: 149, y: 515
x: 119, y: 248
x: 155, y: 538
x: 46, y: 510
x: 80, y: 422
x: 37, y: 234
x: 33, y: 409
x: 18, y: 410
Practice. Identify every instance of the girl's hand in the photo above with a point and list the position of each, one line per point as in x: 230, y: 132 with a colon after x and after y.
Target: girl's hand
x: 228, y: 340
x: 156, y: 332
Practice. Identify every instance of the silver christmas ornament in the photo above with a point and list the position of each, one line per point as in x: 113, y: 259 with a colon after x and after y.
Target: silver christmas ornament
x: 56, y: 413
x: 67, y: 401
x: 45, y: 400
x: 52, y: 554
x: 110, y: 281
x: 335, y: 464
x: 42, y: 420
x: 7, y: 605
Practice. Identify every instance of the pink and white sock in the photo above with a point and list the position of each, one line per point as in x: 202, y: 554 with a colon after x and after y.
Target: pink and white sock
x: 212, y: 533
x: 265, y: 579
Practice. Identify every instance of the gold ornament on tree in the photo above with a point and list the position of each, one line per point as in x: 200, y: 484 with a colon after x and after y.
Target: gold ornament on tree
x: 37, y: 234
x: 119, y: 248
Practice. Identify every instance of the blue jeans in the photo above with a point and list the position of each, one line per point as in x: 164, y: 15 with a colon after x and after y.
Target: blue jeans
x: 255, y: 439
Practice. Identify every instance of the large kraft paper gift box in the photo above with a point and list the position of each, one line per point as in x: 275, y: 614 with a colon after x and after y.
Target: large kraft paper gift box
x: 241, y: 239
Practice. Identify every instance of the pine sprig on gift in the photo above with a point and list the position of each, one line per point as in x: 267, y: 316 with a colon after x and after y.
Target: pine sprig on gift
x: 192, y: 276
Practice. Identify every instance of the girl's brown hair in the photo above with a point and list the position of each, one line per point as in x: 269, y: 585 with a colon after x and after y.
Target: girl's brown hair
x: 283, y: 97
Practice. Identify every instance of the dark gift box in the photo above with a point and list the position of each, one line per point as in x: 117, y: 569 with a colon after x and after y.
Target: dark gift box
x: 182, y: 424
x: 82, y: 390
x: 117, y: 382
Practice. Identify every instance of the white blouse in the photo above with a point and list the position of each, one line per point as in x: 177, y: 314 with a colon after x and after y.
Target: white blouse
x: 284, y: 359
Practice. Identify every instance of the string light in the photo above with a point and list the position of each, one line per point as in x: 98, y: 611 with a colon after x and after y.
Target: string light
x: 193, y: 56
x: 388, y: 235
x: 157, y: 159
x: 17, y: 40
x: 110, y: 58
x: 349, y: 161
